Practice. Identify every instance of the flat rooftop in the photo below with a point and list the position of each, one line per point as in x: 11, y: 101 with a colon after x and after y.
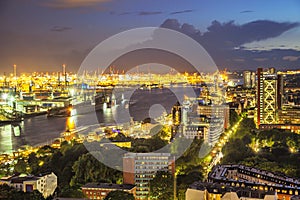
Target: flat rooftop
x: 108, y: 186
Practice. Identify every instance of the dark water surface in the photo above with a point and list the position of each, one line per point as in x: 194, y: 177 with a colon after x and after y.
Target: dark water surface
x: 42, y: 130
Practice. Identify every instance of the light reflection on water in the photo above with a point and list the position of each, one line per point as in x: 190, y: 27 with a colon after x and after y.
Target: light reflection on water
x: 42, y: 130
x: 5, y: 139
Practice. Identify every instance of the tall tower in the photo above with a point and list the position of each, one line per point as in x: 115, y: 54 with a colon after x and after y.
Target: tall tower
x: 280, y: 92
x: 176, y: 118
x: 15, y: 78
x: 267, y: 96
x: 15, y: 71
x: 176, y: 114
x: 253, y: 79
x: 65, y: 74
x: 247, y: 79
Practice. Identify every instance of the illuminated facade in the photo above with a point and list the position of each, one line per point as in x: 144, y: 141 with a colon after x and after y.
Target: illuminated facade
x: 176, y: 114
x: 268, y: 92
x: 249, y: 177
x: 215, y: 111
x: 211, y: 191
x: 44, y: 183
x: 289, y: 115
x: 140, y: 168
x: 101, y: 190
x: 200, y: 121
x: 247, y: 79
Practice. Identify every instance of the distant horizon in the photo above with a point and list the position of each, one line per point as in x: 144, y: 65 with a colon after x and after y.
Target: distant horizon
x: 145, y: 71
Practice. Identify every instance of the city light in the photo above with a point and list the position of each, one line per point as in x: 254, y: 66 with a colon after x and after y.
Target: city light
x: 139, y: 100
x: 72, y: 92
x: 4, y: 96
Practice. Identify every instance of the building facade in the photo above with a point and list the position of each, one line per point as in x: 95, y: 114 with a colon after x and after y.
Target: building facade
x: 101, y: 190
x: 247, y: 76
x: 140, y: 168
x: 269, y: 91
x: 193, y: 120
x: 249, y: 177
x: 210, y: 191
x: 44, y: 183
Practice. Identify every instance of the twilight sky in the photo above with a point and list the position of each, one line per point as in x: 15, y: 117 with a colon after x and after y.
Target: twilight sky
x: 41, y: 35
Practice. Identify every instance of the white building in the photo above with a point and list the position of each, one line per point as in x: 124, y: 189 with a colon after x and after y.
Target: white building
x: 44, y: 183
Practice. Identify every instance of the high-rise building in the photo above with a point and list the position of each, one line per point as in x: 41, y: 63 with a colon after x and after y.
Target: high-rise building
x: 140, y: 168
x: 193, y: 120
x: 176, y: 118
x: 253, y: 79
x: 215, y: 111
x: 176, y: 114
x: 280, y: 90
x: 247, y: 79
x: 269, y: 95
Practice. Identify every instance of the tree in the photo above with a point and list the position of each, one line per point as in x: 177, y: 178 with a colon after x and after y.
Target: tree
x: 4, y: 169
x: 191, y: 157
x: 185, y: 180
x: 116, y: 195
x: 71, y: 192
x: 33, y: 163
x: 20, y: 166
x: 271, y: 150
x: 142, y: 145
x: 10, y: 193
x: 235, y: 151
x: 89, y: 169
x: 247, y: 123
x: 233, y: 117
x: 162, y: 186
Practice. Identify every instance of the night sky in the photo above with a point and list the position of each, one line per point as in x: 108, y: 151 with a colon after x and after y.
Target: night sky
x: 41, y: 35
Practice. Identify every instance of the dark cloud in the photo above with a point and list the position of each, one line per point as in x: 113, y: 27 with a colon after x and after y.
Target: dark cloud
x: 291, y: 58
x: 142, y: 56
x: 126, y: 13
x: 181, y: 12
x: 122, y: 13
x: 247, y: 11
x: 60, y: 28
x: 239, y: 59
x: 172, y: 24
x: 223, y: 41
x: 261, y: 59
x: 141, y: 13
x: 150, y: 13
x: 231, y: 34
x: 71, y: 4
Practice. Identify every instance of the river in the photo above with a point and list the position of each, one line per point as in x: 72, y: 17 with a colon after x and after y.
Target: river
x: 42, y: 130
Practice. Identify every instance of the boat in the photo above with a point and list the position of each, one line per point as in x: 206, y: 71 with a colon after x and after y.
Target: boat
x: 60, y: 112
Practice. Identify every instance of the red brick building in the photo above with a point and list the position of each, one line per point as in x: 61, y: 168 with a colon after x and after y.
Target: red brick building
x: 101, y: 190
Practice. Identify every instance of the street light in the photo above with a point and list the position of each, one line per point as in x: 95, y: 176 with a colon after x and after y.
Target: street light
x: 72, y: 92
x: 4, y: 96
x: 12, y: 99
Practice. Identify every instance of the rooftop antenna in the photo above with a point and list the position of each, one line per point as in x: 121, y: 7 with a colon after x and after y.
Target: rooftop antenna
x: 15, y: 70
x: 15, y: 77
x: 65, y: 74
